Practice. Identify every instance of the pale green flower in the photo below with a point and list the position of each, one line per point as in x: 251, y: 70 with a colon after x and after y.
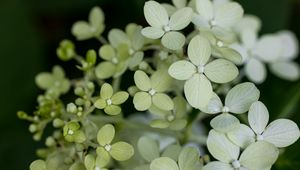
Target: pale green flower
x: 120, y: 151
x: 163, y: 26
x: 84, y: 30
x: 92, y: 163
x: 152, y: 90
x: 281, y: 132
x: 110, y: 101
x: 237, y: 101
x: 38, y: 165
x: 66, y: 50
x: 198, y: 72
x: 72, y: 132
x: 257, y: 156
x: 173, y: 119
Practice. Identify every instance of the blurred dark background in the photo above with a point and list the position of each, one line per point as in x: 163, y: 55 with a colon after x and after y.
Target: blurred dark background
x: 30, y: 31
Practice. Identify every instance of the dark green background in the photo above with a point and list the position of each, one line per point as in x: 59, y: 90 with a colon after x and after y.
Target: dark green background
x: 31, y: 29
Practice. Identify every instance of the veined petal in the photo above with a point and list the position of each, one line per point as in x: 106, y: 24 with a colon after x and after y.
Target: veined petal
x: 221, y: 148
x: 170, y: 8
x: 112, y: 110
x: 241, y: 96
x: 182, y: 70
x: 181, y: 19
x: 142, y: 81
x: 106, y: 134
x: 189, y: 159
x: 121, y: 151
x: 160, y: 80
x: 225, y: 123
x: 148, y: 148
x: 107, y: 52
x: 258, y: 117
x: 152, y: 32
x: 259, y: 155
x: 173, y: 40
x: 214, y: 106
x: 221, y: 71
x: 198, y: 90
x: 106, y: 91
x: 268, y: 48
x: 286, y: 70
x: 100, y: 104
x: 142, y: 101
x: 105, y: 70
x: 199, y: 50
x: 205, y: 8
x: 231, y: 55
x: 172, y: 151
x: 282, y: 133
x: 242, y: 136
x: 117, y: 37
x: 256, y: 70
x: 119, y: 97
x: 228, y: 14
x: 155, y: 14
x: 103, y: 157
x: 179, y: 3
x: 163, y: 163
x: 200, y: 22
x: 217, y: 165
x: 163, y: 101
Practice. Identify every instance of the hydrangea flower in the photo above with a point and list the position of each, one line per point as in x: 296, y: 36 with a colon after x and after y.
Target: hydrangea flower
x: 165, y: 27
x: 83, y: 30
x: 66, y: 50
x: 259, y: 155
x: 198, y: 72
x: 173, y: 119
x: 281, y: 132
x: 38, y: 165
x: 152, y: 90
x: 72, y: 132
x: 110, y: 101
x: 120, y: 151
x: 238, y: 100
x: 92, y: 163
x: 177, y: 4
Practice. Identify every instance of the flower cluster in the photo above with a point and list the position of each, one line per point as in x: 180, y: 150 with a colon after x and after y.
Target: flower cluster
x: 156, y: 84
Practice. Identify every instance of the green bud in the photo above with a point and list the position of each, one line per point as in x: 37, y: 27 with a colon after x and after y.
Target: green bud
x: 57, y: 123
x: 66, y: 50
x: 79, y: 101
x: 91, y: 57
x: 79, y: 91
x: 72, y: 108
x: 22, y: 115
x: 91, y: 86
x: 33, y: 128
x: 132, y: 90
x: 50, y: 142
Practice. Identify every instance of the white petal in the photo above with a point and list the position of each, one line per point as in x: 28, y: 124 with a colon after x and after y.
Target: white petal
x: 249, y: 38
x: 173, y: 40
x: 163, y: 163
x: 221, y: 148
x: 198, y: 91
x: 117, y: 37
x: 256, y: 71
x: 205, y: 8
x: 199, y: 50
x: 179, y: 3
x: 152, y: 32
x: 259, y: 155
x: 258, y: 117
x: 216, y: 165
x: 290, y: 44
x: 286, y: 70
x: 240, y: 97
x: 282, y: 132
x: 221, y: 71
x: 268, y: 48
x: 155, y: 14
x: 251, y: 22
x: 200, y: 21
x: 181, y: 19
x: 182, y: 70
x: 225, y: 123
x: 214, y: 106
x: 228, y: 14
x: 242, y: 137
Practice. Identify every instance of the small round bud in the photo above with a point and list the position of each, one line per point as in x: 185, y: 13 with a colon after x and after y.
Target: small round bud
x: 50, y: 142
x: 72, y: 108
x: 33, y: 128
x: 57, y: 123
x: 79, y: 91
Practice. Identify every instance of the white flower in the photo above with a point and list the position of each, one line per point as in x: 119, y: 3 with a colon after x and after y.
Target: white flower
x: 257, y: 156
x: 163, y: 26
x: 281, y: 132
x: 237, y: 101
x: 198, y: 72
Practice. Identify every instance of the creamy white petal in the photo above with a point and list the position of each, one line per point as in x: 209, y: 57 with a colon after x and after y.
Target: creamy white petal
x: 199, y: 50
x: 286, y: 70
x: 249, y: 38
x: 242, y: 136
x: 268, y: 48
x: 228, y: 14
x: 214, y: 106
x: 258, y: 117
x: 225, y: 123
x: 290, y: 44
x: 205, y: 8
x: 152, y: 32
x: 182, y: 70
x: 256, y: 70
x: 181, y: 19
x: 155, y: 14
x: 216, y: 165
x: 179, y: 3
x: 251, y: 22
x: 200, y: 21
x: 282, y: 132
x: 173, y: 40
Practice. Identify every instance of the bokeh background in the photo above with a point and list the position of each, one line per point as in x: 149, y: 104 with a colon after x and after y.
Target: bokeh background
x: 30, y: 31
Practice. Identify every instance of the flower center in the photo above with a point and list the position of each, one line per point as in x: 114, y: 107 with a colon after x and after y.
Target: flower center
x: 259, y: 137
x: 152, y: 92
x: 201, y: 69
x: 70, y: 132
x: 225, y: 109
x: 108, y: 101
x: 167, y: 28
x: 236, y: 164
x: 115, y: 60
x: 220, y: 44
x: 107, y: 147
x: 213, y: 23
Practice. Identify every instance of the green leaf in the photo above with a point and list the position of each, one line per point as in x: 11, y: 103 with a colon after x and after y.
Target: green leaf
x: 199, y: 50
x: 121, y: 151
x: 38, y: 165
x: 163, y: 101
x: 155, y: 14
x: 106, y: 134
x: 182, y: 70
x: 198, y: 91
x: 148, y: 148
x: 142, y: 81
x: 173, y: 40
x: 221, y: 71
x: 152, y: 32
x: 181, y: 19
x: 106, y: 91
x: 107, y: 52
x: 119, y: 97
x: 241, y: 96
x: 163, y: 163
x: 225, y: 123
x: 142, y: 101
x: 105, y: 70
